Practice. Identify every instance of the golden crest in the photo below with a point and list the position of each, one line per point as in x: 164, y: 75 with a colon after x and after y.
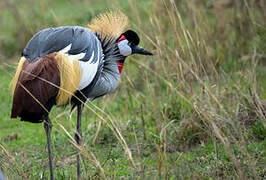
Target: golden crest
x: 112, y: 23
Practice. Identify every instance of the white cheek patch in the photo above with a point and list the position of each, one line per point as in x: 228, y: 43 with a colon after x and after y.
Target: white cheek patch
x: 124, y: 48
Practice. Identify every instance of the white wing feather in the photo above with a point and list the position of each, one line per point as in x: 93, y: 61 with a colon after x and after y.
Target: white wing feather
x: 88, y: 69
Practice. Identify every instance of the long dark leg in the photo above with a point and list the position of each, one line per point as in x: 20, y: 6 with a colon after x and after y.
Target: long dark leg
x: 48, y: 128
x: 78, y: 137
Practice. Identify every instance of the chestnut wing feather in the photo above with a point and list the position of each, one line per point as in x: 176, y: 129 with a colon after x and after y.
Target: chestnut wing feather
x: 37, y: 87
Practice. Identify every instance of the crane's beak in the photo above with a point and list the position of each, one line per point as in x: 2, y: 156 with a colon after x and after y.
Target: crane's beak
x: 139, y: 50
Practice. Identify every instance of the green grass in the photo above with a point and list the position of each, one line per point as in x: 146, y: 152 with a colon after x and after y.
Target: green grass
x: 194, y: 110
x: 197, y: 161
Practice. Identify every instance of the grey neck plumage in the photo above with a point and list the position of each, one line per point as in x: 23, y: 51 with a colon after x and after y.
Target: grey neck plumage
x: 108, y: 76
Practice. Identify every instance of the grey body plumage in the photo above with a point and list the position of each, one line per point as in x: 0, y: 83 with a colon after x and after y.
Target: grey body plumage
x: 51, y: 40
x: 82, y: 40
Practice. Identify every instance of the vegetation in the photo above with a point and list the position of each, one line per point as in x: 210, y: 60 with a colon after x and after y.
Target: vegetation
x: 194, y: 110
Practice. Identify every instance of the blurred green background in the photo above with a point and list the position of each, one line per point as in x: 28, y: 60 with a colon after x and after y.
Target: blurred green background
x: 195, y: 110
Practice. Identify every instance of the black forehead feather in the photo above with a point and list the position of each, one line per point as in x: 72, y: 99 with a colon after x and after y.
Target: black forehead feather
x: 132, y: 36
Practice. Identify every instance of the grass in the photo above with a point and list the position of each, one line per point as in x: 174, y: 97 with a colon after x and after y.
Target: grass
x: 195, y: 110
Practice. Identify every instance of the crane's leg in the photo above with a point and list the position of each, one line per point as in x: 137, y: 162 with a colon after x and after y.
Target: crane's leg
x: 78, y: 137
x: 48, y: 128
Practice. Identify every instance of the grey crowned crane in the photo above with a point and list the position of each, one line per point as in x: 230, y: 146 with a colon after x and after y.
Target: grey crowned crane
x: 71, y: 64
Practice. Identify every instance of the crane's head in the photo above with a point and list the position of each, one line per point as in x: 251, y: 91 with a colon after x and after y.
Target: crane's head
x: 128, y: 44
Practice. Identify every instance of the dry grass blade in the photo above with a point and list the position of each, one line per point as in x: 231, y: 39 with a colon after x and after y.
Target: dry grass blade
x: 91, y: 157
x: 116, y: 131
x: 12, y: 158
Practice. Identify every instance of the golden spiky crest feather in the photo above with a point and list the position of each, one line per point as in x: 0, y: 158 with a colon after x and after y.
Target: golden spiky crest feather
x: 112, y: 23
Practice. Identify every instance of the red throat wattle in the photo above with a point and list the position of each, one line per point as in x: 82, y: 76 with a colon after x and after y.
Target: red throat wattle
x: 119, y: 63
x: 122, y: 38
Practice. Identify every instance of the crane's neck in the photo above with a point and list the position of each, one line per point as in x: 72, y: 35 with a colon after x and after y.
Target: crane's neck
x: 109, y: 72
